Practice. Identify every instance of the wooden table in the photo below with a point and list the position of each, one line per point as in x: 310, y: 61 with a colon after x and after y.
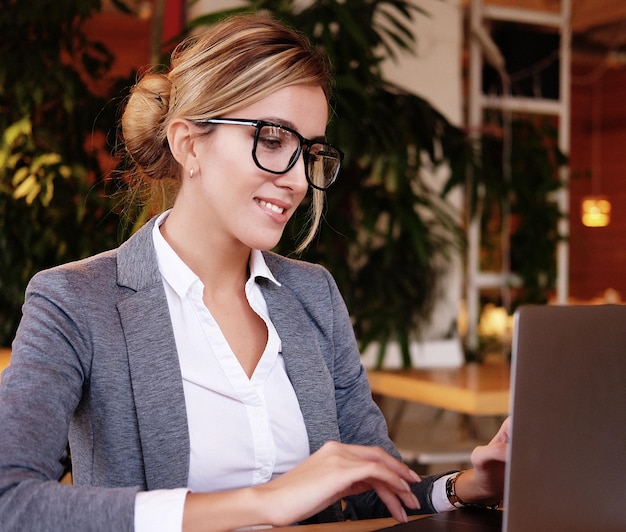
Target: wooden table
x: 472, y: 389
x: 365, y: 525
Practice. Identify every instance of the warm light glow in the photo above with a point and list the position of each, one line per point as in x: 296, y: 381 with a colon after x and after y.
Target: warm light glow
x: 596, y: 211
x: 144, y: 10
x: 495, y: 322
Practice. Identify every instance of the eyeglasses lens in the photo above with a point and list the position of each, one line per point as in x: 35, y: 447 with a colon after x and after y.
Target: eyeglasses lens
x: 277, y: 149
x: 323, y: 163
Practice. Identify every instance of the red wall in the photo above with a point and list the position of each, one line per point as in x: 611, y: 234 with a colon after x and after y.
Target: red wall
x: 598, y: 255
x: 128, y: 37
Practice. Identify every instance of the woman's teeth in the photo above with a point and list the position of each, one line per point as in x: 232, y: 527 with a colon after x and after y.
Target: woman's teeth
x: 272, y: 207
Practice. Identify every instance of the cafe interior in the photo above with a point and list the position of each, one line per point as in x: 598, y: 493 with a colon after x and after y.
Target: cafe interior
x: 461, y: 403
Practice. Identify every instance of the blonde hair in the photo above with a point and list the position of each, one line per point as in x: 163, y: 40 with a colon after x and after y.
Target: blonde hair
x: 237, y: 62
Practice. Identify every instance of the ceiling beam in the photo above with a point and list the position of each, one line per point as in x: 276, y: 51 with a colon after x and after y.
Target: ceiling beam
x: 586, y: 14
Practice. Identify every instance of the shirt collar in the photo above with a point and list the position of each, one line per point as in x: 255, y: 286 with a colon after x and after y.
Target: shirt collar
x: 259, y: 268
x: 180, y: 277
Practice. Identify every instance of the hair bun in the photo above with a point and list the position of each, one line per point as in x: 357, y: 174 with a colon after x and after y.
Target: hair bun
x: 143, y: 125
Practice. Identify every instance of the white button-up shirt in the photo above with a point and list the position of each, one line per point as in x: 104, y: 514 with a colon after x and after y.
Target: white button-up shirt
x: 242, y: 431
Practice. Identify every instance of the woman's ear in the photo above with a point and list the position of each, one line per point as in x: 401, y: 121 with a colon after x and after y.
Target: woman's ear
x: 180, y: 136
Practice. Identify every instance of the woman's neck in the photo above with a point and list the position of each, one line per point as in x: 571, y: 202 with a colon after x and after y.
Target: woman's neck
x: 218, y: 262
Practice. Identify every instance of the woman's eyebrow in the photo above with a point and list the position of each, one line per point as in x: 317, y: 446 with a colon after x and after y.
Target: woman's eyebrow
x: 279, y: 122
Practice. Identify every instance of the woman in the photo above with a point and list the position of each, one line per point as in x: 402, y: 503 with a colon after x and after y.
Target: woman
x: 205, y: 383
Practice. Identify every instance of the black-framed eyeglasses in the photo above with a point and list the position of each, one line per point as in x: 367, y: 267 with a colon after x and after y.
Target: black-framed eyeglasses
x: 276, y: 150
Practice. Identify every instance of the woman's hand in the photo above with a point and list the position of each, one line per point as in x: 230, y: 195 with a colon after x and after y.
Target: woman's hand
x: 335, y: 471
x: 484, y: 484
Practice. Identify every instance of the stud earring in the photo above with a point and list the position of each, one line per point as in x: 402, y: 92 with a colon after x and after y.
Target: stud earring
x: 191, y: 173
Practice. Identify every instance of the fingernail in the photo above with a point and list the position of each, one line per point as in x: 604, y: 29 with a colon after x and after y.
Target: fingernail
x: 417, y: 502
x: 415, y: 476
x: 404, y: 516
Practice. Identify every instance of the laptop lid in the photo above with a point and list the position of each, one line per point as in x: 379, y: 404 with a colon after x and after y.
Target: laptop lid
x: 567, y: 458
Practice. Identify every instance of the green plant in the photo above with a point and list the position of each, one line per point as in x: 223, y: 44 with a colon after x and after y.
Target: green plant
x: 53, y: 207
x: 536, y: 236
x: 528, y: 195
x: 384, y: 225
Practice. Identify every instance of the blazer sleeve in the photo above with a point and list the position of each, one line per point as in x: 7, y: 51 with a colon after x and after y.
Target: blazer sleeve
x: 359, y: 418
x: 39, y: 393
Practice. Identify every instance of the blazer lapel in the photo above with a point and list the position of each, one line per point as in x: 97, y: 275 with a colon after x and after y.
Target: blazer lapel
x: 154, y: 367
x: 307, y: 371
x: 305, y: 365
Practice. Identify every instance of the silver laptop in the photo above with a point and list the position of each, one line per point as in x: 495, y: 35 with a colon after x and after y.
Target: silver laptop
x: 566, y: 470
x: 567, y: 461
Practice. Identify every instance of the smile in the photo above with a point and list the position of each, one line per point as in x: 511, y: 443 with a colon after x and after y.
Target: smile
x: 271, y: 207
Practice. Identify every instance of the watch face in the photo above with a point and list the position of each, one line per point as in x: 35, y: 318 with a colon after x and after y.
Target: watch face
x: 451, y: 493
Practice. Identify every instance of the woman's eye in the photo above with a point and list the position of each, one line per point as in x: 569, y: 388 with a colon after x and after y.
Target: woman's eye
x: 270, y: 142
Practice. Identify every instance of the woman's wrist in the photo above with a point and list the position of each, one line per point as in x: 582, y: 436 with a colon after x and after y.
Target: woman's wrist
x: 463, y: 490
x: 222, y: 511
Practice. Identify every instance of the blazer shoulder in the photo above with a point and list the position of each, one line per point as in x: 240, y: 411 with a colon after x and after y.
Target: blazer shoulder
x: 132, y: 265
x: 312, y: 285
x: 89, y: 272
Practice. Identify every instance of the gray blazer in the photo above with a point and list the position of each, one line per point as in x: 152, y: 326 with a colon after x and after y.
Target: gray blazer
x: 94, y: 360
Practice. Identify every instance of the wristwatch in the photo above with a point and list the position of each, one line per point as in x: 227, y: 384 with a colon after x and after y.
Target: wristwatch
x: 455, y: 500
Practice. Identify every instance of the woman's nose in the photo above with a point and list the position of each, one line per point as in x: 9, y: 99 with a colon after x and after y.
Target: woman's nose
x: 295, y: 177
